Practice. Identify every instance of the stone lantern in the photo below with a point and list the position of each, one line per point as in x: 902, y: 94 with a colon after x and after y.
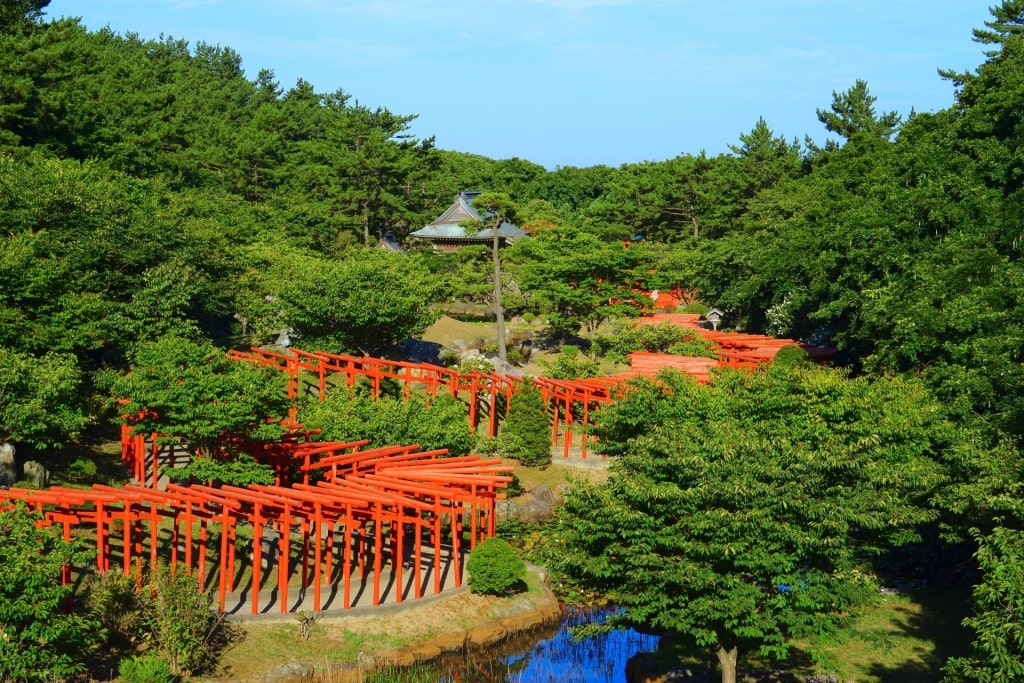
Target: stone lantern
x: 714, y: 316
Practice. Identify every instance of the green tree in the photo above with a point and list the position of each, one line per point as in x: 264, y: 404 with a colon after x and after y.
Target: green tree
x: 16, y: 13
x: 364, y: 303
x: 40, y: 640
x: 998, y: 608
x: 579, y: 281
x: 41, y: 402
x: 745, y: 513
x: 192, y: 392
x: 853, y: 112
x: 525, y: 434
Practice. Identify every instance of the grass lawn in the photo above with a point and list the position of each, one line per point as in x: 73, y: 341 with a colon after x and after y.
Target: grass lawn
x: 905, y: 638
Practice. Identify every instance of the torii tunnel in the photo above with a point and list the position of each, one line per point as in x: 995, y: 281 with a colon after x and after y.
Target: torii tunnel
x: 571, y: 403
x: 392, y: 514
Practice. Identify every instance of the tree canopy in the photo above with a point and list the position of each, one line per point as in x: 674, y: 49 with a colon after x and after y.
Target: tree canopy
x: 746, y: 513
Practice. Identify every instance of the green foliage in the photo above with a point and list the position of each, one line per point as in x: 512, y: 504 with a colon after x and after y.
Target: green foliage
x: 82, y: 468
x: 998, y: 603
x: 853, y: 113
x: 114, y: 599
x: 525, y: 434
x: 792, y: 355
x: 570, y: 364
x: 145, y: 669
x: 364, y: 303
x: 180, y: 621
x: 627, y: 337
x: 515, y: 487
x: 193, y: 392
x: 169, y: 614
x: 39, y: 639
x: 747, y: 512
x: 435, y: 423
x: 40, y: 398
x: 240, y: 469
x: 577, y: 280
x: 494, y: 568
x: 694, y: 307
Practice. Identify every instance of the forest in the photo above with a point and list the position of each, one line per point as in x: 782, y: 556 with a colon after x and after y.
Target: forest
x: 150, y: 191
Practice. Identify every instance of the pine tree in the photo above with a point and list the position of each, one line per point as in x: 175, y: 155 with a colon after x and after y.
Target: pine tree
x: 525, y: 433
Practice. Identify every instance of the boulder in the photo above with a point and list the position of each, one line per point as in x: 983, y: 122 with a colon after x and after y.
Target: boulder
x: 36, y: 474
x: 290, y: 673
x: 8, y: 471
x: 536, y: 505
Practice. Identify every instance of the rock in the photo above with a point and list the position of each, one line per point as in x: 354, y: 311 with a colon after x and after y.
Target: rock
x: 8, y: 472
x: 290, y: 673
x: 536, y: 505
x: 487, y: 634
x: 36, y: 474
x: 426, y: 652
x: 451, y: 642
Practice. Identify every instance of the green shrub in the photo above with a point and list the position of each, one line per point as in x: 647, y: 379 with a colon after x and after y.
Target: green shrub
x: 82, y: 468
x: 515, y: 487
x: 694, y: 307
x: 486, y: 445
x: 181, y: 621
x: 494, y: 568
x: 112, y: 597
x: 792, y: 355
x: 627, y: 337
x: 145, y: 669
x: 525, y: 435
x: 434, y: 423
x: 571, y: 366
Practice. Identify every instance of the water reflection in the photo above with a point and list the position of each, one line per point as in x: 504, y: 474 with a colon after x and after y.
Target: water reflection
x: 551, y: 654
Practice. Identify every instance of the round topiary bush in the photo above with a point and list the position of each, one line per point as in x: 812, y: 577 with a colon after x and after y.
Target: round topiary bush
x: 792, y: 354
x: 494, y: 568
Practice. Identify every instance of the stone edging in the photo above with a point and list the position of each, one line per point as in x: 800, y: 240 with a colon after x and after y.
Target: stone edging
x: 523, y: 614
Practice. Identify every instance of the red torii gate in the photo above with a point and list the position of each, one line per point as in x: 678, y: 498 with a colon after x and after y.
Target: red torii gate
x: 383, y: 488
x: 563, y: 396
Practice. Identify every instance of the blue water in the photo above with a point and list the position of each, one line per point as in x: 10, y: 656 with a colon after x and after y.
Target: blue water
x: 546, y: 657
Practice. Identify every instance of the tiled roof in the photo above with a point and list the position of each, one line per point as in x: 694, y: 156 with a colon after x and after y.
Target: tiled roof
x: 447, y: 225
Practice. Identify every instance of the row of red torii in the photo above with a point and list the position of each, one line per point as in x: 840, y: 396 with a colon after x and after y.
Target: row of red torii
x: 396, y: 505
x: 387, y: 508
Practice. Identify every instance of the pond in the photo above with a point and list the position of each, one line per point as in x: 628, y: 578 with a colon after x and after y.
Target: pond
x: 549, y: 654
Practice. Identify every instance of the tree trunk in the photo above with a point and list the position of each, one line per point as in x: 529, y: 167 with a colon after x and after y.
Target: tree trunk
x: 727, y: 659
x: 499, y: 310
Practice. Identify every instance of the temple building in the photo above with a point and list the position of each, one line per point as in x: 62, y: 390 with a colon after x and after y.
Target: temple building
x: 447, y: 232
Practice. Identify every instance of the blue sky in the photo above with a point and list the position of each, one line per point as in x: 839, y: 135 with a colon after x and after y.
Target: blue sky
x: 584, y: 82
